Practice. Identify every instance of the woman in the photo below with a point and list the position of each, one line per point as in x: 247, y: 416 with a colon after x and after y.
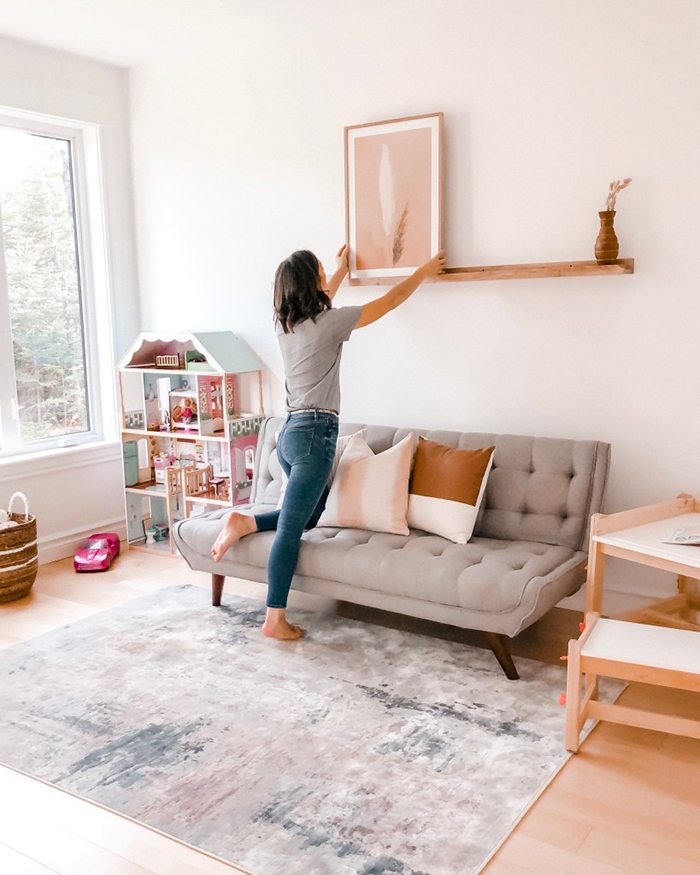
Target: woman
x: 311, y: 333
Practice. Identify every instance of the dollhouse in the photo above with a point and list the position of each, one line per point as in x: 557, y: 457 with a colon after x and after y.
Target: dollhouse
x: 191, y: 409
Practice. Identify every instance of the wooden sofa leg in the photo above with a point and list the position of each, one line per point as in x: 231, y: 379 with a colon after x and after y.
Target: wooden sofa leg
x: 499, y: 645
x: 217, y: 588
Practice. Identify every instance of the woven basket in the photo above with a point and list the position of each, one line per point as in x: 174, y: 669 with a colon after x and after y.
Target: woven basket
x: 19, y: 561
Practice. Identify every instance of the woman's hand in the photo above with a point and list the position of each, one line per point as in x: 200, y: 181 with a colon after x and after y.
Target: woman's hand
x: 337, y: 278
x: 402, y: 291
x: 435, y: 266
x: 342, y: 257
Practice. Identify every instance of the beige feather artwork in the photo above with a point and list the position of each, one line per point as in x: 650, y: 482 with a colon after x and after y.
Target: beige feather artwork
x: 387, y: 190
x: 394, y: 229
x: 393, y: 190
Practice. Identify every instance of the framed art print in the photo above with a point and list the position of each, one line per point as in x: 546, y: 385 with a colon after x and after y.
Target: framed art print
x: 393, y: 195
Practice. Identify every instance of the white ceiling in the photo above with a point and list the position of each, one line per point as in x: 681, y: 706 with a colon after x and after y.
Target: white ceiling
x: 122, y: 32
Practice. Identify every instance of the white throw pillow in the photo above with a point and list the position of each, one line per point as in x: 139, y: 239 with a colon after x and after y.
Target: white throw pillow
x: 371, y: 492
x: 339, y: 450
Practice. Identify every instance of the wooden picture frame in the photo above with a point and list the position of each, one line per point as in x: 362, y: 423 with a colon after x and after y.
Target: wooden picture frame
x: 393, y: 195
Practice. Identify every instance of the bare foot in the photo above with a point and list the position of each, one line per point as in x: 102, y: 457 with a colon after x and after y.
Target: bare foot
x: 237, y: 525
x: 276, y: 626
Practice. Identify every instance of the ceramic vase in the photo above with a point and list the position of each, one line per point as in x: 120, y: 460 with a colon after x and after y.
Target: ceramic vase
x: 607, y: 246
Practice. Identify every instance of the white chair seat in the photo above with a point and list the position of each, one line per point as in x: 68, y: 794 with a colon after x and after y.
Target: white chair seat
x: 655, y: 646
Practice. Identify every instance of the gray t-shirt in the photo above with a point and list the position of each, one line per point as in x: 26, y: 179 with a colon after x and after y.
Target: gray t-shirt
x: 311, y: 354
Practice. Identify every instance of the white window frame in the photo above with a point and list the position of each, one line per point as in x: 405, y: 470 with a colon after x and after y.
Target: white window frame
x: 93, y: 267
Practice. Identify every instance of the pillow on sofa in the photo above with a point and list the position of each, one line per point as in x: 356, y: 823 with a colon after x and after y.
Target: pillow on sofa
x: 339, y: 450
x: 371, y: 492
x: 447, y: 486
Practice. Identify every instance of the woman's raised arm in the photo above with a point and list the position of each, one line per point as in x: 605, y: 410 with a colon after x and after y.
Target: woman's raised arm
x: 401, y: 291
x: 337, y: 278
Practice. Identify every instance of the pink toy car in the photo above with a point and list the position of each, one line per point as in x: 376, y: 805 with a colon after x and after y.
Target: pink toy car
x: 97, y: 553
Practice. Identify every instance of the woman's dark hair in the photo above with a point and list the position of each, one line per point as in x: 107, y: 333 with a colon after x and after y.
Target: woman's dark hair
x: 297, y: 295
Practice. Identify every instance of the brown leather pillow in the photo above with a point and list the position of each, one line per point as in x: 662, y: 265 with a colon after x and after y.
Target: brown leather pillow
x: 446, y: 489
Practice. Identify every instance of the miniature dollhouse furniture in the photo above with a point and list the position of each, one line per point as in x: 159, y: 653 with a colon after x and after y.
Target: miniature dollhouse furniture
x: 527, y: 553
x: 198, y: 484
x: 651, y: 654
x: 172, y: 488
x: 192, y: 404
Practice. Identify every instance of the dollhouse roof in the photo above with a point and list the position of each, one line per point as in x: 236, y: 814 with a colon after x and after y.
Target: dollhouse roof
x: 232, y: 354
x: 226, y: 353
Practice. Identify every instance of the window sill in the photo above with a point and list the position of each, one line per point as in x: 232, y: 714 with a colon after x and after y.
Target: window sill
x: 59, y: 459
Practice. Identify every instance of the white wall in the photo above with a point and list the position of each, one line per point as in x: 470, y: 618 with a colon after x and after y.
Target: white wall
x: 74, y: 492
x: 238, y: 151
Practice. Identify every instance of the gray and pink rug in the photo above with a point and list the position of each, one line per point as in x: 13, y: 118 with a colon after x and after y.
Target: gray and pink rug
x: 357, y: 751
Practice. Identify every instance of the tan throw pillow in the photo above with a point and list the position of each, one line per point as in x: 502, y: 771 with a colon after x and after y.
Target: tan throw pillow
x: 371, y: 492
x: 447, y: 486
x: 339, y: 450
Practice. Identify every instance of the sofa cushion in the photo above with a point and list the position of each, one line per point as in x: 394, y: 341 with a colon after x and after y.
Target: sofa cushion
x: 485, y: 575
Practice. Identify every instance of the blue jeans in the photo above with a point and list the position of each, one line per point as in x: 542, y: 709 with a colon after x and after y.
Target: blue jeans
x: 305, y: 448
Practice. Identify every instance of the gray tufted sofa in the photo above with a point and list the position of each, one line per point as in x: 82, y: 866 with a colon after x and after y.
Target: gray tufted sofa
x: 527, y: 553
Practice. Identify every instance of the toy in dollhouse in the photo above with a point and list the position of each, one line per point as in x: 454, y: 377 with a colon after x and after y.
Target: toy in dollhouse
x: 152, y: 510
x: 249, y: 457
x: 181, y: 454
x: 208, y: 482
x: 211, y: 405
x: 183, y: 410
x: 220, y: 460
x: 154, y: 420
x: 220, y: 485
x: 244, y: 439
x: 187, y: 412
x: 160, y: 465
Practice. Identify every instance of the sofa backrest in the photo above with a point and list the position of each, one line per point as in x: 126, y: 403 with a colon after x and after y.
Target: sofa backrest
x: 540, y: 489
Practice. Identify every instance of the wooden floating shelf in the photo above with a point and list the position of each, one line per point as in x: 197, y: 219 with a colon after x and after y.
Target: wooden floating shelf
x: 514, y: 272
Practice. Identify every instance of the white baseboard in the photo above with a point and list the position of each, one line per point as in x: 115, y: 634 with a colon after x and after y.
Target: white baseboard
x: 64, y: 544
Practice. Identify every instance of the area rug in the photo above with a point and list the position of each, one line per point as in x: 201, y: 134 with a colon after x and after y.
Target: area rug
x: 358, y: 751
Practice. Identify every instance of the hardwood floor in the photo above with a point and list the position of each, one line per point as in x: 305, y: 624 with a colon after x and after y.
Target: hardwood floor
x: 629, y: 802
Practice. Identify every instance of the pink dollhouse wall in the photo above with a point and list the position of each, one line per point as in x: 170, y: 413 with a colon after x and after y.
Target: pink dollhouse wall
x: 211, y: 404
x: 232, y: 402
x: 244, y: 436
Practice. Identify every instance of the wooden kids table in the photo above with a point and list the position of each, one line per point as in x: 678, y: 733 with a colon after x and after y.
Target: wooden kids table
x: 661, y: 655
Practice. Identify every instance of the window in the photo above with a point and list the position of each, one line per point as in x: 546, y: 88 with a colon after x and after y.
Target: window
x: 49, y: 367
